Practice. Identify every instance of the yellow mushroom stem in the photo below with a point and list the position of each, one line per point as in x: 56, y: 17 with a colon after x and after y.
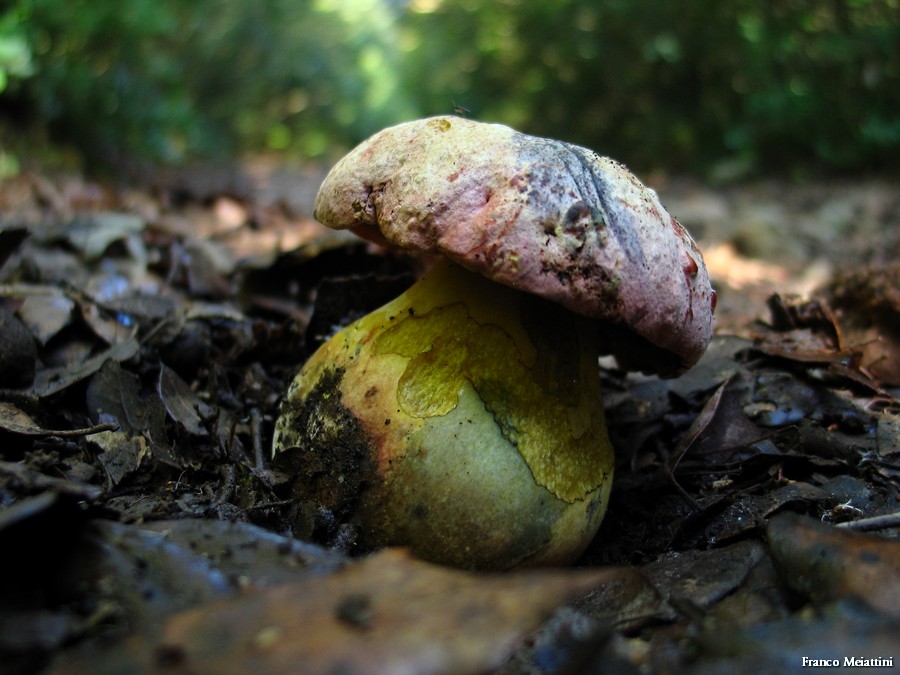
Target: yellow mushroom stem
x: 463, y: 420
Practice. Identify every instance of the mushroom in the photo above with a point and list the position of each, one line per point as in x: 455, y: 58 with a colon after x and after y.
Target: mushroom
x: 464, y: 419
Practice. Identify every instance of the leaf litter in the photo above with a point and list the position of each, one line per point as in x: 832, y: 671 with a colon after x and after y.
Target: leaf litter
x: 147, y: 337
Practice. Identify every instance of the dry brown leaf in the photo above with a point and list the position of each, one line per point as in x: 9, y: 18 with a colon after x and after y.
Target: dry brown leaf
x: 180, y: 401
x: 387, y: 613
x: 827, y: 564
x: 47, y: 314
x: 18, y: 422
x: 868, y: 306
x: 53, y: 380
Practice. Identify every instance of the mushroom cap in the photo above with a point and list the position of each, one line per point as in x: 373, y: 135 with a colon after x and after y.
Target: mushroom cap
x: 539, y: 215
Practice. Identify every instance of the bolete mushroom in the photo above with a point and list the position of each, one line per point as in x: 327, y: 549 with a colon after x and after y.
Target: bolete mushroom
x: 464, y: 419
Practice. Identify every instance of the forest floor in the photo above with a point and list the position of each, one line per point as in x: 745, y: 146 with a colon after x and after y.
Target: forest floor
x: 148, y: 334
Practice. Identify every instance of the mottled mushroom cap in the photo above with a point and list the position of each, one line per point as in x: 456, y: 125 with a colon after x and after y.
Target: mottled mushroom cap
x: 543, y: 216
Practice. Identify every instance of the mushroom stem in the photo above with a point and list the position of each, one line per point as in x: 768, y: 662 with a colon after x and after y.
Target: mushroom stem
x: 463, y: 420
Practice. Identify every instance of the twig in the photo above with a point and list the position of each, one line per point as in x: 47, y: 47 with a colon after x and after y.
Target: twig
x: 229, y: 478
x: 270, y: 505
x: 71, y: 433
x: 259, y: 455
x: 873, y: 523
x: 36, y: 479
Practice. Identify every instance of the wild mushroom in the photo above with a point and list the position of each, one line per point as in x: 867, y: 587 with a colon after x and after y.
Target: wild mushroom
x: 464, y: 419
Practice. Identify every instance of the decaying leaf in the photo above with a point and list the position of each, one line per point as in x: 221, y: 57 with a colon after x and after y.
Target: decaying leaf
x: 721, y: 361
x: 11, y: 236
x: 35, y: 480
x: 122, y: 453
x: 46, y: 314
x: 867, y: 299
x: 17, y: 351
x: 780, y: 646
x: 384, y: 614
x: 93, y: 233
x: 826, y: 563
x: 115, y: 394
x: 19, y: 422
x: 808, y: 332
x: 181, y: 402
x: 53, y: 380
x: 750, y: 512
x: 701, y: 578
x: 698, y: 426
x: 661, y: 590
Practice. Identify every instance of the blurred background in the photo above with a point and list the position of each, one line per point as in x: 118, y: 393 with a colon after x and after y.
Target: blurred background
x: 721, y: 90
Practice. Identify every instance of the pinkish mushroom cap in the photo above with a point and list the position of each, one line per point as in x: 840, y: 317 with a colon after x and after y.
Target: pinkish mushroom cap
x: 540, y: 215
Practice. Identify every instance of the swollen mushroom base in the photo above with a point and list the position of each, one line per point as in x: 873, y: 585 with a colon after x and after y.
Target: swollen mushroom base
x: 463, y: 420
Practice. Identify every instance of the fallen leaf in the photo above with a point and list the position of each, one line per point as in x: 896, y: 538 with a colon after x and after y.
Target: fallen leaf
x: 781, y: 646
x: 34, y: 480
x: 35, y: 536
x: 306, y: 238
x: 628, y: 602
x: 11, y: 236
x: 53, y: 380
x: 867, y: 299
x: 719, y: 362
x: 750, y: 511
x: 181, y: 402
x: 247, y: 553
x: 698, y: 426
x: 18, y: 422
x: 27, y: 508
x: 17, y: 351
x: 807, y: 332
x: 780, y: 399
x: 730, y: 437
x: 111, y: 327
x: 825, y: 563
x: 207, y: 267
x: 129, y: 577
x: 563, y: 644
x: 93, y: 233
x: 115, y: 394
x: 384, y: 614
x: 47, y: 314
x: 122, y: 454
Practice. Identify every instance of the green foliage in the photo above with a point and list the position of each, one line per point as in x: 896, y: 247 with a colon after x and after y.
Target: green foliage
x: 746, y: 85
x: 15, y: 65
x: 105, y: 79
x: 171, y: 80
x: 678, y: 85
x: 15, y: 55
